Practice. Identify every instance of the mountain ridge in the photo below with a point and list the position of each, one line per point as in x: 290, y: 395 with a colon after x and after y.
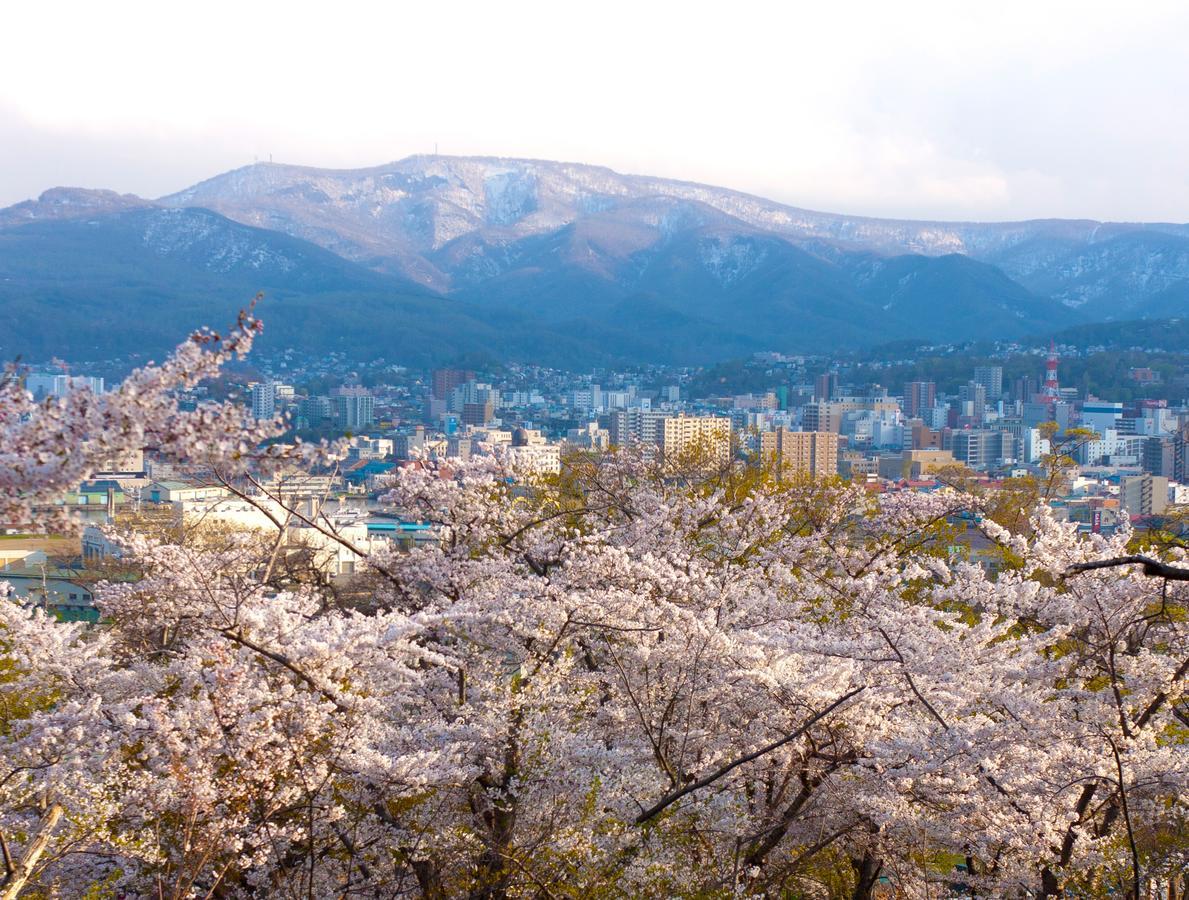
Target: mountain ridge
x: 398, y: 216
x: 541, y: 260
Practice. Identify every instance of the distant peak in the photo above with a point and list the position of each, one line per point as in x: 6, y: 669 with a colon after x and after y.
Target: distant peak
x: 71, y: 203
x: 91, y: 197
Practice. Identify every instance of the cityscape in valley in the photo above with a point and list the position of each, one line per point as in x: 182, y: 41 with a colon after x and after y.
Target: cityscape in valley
x: 1122, y: 462
x: 804, y: 516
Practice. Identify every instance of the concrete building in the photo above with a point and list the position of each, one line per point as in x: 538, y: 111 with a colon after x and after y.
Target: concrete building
x: 264, y: 400
x: 539, y: 459
x: 636, y: 426
x: 479, y: 413
x: 1143, y: 495
x: 587, y: 399
x: 973, y: 399
x: 174, y: 491
x: 918, y: 397
x: 458, y: 448
x: 369, y: 448
x: 315, y: 411
x: 857, y: 467
x: 589, y: 437
x: 443, y: 382
x: 800, y: 452
x: 825, y: 386
x: 1100, y: 416
x: 914, y: 464
x: 922, y: 437
x: 1180, y: 449
x: 687, y: 435
x: 824, y: 415
x: 1159, y: 456
x: 45, y: 384
x: 982, y: 448
x: 471, y: 392
x: 354, y: 408
x: 991, y: 379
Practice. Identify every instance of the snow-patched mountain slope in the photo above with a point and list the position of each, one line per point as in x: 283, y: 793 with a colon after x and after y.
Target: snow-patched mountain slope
x: 63, y: 203
x: 448, y: 221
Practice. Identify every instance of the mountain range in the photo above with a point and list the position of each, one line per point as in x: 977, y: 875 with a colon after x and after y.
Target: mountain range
x: 431, y: 258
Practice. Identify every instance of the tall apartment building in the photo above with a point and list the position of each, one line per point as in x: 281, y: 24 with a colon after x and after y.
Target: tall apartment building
x: 1143, y: 495
x: 1159, y: 456
x: 800, y: 452
x: 264, y: 400
x: 918, y: 397
x: 1024, y: 389
x: 315, y: 410
x: 354, y: 408
x: 825, y: 386
x: 708, y: 435
x: 444, y: 381
x: 635, y: 426
x: 991, y: 378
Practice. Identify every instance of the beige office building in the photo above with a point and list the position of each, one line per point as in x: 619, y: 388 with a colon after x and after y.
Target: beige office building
x: 801, y: 452
x: 1143, y: 495
x: 709, y: 435
x: 915, y: 464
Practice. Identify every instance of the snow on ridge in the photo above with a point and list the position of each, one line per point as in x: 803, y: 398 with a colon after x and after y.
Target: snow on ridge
x: 730, y: 260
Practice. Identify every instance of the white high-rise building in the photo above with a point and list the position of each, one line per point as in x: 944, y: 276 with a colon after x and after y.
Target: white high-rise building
x: 264, y: 400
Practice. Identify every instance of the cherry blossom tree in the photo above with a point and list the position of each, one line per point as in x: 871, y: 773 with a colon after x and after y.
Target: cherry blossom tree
x: 630, y: 679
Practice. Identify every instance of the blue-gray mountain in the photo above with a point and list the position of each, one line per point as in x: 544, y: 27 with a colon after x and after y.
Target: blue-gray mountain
x: 431, y: 257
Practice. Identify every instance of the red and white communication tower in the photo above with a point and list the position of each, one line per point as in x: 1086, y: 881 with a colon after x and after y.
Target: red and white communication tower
x: 1052, y: 389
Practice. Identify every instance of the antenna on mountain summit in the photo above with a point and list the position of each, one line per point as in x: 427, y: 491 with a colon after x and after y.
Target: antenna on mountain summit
x: 435, y: 148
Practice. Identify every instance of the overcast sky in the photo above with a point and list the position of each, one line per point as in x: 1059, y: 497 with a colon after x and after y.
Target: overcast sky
x: 919, y: 109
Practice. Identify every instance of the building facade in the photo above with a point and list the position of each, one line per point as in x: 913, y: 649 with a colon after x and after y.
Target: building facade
x: 812, y: 453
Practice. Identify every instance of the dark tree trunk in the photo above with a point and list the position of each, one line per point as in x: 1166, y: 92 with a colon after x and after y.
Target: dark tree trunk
x: 867, y: 872
x: 1049, y: 886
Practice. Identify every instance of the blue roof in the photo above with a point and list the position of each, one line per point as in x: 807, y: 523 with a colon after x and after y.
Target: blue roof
x: 100, y: 485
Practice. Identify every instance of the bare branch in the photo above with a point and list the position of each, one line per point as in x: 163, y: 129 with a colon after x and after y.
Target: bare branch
x: 671, y: 798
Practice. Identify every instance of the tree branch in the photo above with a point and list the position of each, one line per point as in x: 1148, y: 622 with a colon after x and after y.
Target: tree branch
x: 284, y: 661
x: 672, y: 797
x: 1152, y: 567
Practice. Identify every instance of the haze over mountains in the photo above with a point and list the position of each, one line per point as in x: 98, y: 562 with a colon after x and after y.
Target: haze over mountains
x: 432, y: 257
